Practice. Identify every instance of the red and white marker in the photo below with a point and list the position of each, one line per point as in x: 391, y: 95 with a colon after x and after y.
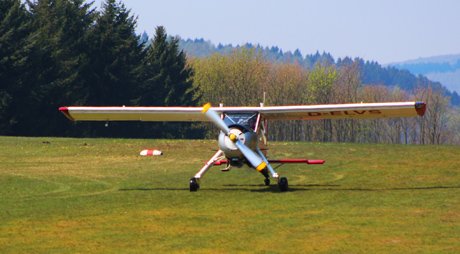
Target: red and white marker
x: 151, y: 152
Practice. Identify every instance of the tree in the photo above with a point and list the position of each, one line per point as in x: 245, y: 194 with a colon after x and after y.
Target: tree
x: 235, y: 79
x: 166, y: 80
x: 59, y: 32
x: 115, y: 53
x: 111, y: 73
x: 45, y: 36
x: 283, y: 87
x: 348, y: 87
x: 320, y: 91
x: 15, y: 50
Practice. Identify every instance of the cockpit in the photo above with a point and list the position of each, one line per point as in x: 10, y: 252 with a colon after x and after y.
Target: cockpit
x: 247, y: 120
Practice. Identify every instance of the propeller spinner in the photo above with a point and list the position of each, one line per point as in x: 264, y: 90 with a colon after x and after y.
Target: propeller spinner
x: 250, y: 155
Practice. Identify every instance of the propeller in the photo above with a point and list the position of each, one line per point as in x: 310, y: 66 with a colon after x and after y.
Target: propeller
x: 250, y: 155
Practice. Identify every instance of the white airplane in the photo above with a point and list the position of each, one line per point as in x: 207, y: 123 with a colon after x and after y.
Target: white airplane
x: 243, y: 128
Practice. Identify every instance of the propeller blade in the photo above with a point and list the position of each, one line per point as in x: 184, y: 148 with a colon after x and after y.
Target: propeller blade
x: 251, y: 156
x: 215, y: 118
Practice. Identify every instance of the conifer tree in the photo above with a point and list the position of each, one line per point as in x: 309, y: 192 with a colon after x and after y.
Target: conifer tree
x: 167, y: 81
x: 115, y: 53
x: 166, y: 76
x: 15, y: 50
x: 111, y: 76
x: 58, y: 29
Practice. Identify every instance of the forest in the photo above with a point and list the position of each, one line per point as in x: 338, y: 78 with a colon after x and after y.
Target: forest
x: 57, y: 53
x: 372, y: 72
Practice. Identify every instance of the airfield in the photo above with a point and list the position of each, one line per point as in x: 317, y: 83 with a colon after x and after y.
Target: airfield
x: 62, y: 195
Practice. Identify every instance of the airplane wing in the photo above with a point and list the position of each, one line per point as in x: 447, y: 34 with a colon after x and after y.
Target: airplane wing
x: 337, y: 111
x: 299, y: 112
x: 156, y: 114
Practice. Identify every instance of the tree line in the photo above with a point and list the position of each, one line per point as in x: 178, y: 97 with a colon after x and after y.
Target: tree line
x: 63, y: 52
x: 57, y: 53
x: 245, y: 77
x: 372, y: 72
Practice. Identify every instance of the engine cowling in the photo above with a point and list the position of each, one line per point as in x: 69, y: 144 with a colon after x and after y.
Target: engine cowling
x: 248, y: 138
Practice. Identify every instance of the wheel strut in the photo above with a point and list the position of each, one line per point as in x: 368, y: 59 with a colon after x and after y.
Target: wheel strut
x: 267, y: 181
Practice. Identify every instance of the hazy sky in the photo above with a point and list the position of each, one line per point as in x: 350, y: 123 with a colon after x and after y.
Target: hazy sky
x: 380, y: 30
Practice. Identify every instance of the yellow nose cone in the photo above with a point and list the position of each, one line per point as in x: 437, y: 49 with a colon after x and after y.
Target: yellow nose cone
x: 232, y: 137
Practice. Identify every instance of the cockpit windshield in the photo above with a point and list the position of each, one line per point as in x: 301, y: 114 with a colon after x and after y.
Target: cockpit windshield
x: 244, y: 119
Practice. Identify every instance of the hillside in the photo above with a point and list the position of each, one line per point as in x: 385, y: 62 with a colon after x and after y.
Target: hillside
x: 372, y: 72
x: 443, y: 69
x: 451, y: 59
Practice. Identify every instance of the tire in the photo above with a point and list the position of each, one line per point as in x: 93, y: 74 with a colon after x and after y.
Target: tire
x: 194, y: 186
x: 283, y: 184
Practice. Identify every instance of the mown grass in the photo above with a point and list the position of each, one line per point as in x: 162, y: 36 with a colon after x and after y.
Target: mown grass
x: 61, y: 195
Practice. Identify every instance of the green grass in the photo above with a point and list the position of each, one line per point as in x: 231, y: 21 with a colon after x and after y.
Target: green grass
x: 61, y: 195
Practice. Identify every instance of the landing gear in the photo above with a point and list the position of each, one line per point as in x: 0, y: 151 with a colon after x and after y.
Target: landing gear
x: 194, y: 182
x: 194, y: 186
x: 283, y: 184
x: 267, y: 181
x: 265, y: 174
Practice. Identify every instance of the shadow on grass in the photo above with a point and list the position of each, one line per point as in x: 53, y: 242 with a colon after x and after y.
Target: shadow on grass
x: 292, y: 188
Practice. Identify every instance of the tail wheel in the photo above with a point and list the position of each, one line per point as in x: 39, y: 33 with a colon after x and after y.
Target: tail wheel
x: 283, y: 184
x: 194, y: 186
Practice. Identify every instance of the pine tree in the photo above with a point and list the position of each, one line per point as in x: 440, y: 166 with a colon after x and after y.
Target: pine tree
x: 166, y: 82
x: 111, y: 76
x: 15, y: 50
x: 167, y: 79
x: 115, y: 53
x: 57, y: 33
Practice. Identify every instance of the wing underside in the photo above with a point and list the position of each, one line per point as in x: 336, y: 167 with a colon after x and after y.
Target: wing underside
x: 351, y: 111
x: 156, y: 114
x: 300, y: 112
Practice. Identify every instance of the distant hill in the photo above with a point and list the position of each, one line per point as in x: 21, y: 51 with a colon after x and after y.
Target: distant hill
x: 372, y: 72
x: 443, y: 69
x: 451, y: 59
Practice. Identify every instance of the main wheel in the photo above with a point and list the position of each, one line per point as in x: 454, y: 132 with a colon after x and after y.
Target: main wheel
x: 283, y: 184
x: 194, y: 186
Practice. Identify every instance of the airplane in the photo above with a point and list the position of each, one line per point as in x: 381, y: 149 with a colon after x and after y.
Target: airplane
x: 242, y: 129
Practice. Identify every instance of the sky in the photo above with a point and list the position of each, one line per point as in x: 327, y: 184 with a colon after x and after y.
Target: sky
x: 385, y: 31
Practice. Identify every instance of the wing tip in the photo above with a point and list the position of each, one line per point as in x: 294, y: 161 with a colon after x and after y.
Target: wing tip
x: 420, y: 107
x: 65, y: 111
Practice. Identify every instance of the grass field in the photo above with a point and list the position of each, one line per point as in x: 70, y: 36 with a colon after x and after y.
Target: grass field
x: 61, y: 195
